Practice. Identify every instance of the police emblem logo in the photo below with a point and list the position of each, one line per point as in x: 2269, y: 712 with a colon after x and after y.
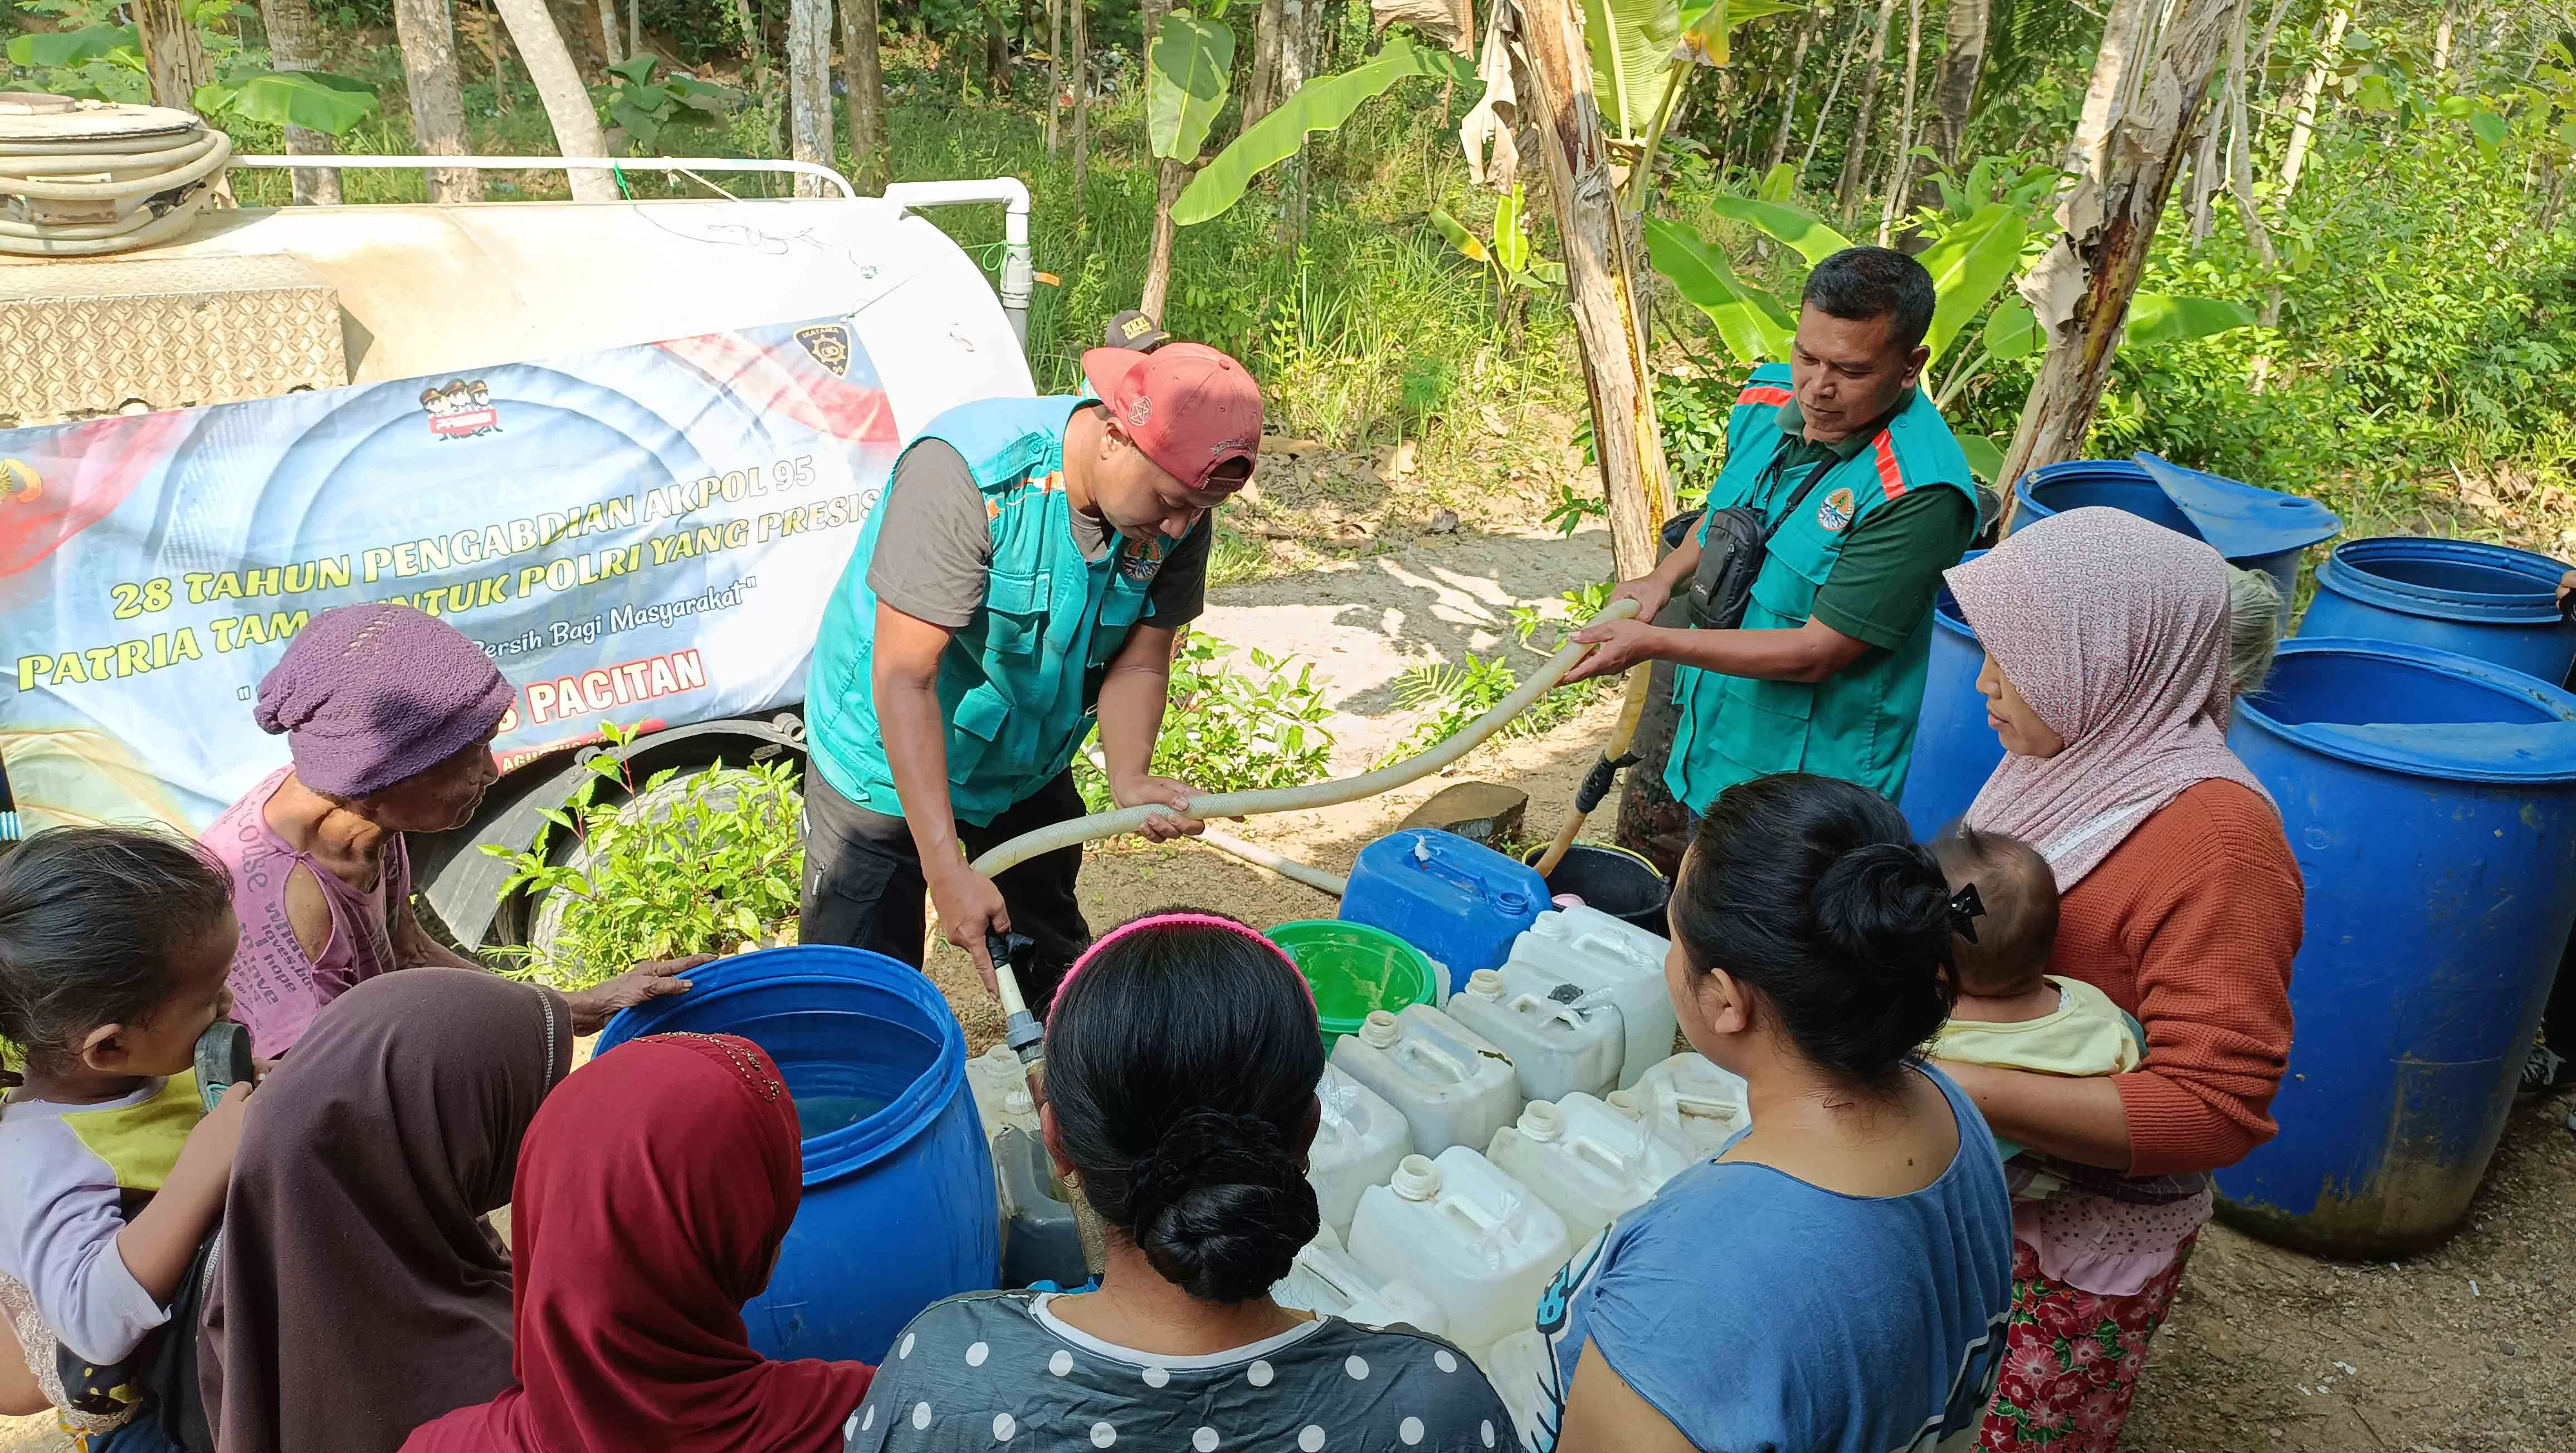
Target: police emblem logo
x: 1837, y: 510
x: 829, y: 345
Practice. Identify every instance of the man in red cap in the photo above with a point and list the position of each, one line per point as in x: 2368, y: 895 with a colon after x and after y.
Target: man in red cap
x: 1022, y: 579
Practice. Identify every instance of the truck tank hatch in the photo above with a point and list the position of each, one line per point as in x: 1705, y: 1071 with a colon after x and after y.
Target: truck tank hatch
x: 83, y: 339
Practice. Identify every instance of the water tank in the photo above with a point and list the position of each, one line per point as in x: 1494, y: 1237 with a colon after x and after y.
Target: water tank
x: 2489, y: 601
x: 2430, y: 799
x: 1955, y: 751
x: 899, y: 1207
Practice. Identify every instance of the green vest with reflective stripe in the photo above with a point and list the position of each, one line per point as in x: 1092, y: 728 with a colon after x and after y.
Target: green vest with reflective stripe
x: 1857, y: 724
x: 1018, y: 685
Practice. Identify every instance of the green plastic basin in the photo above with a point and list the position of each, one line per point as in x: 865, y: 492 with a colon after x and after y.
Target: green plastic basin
x: 1354, y: 969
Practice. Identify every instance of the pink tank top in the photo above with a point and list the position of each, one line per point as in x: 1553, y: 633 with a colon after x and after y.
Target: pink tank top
x: 277, y: 988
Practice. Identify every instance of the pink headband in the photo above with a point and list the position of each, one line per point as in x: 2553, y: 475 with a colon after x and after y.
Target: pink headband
x: 1181, y: 920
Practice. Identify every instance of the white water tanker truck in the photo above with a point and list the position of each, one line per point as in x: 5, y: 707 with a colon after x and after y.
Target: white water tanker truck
x: 626, y: 447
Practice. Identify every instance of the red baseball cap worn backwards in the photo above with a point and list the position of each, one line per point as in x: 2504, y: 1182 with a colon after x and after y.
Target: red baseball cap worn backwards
x: 1192, y: 410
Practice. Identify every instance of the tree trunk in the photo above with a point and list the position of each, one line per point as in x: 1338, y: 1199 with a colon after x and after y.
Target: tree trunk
x: 1833, y: 92
x: 1167, y: 179
x: 2081, y: 288
x: 567, y: 102
x: 2122, y: 32
x: 1856, y: 157
x: 428, y: 39
x: 634, y: 27
x: 1261, y: 88
x: 2303, y: 123
x: 608, y: 47
x: 173, y: 53
x: 2442, y: 37
x: 1954, y: 83
x: 809, y: 89
x: 1055, y: 76
x: 2240, y: 174
x: 1293, y: 60
x: 755, y: 46
x: 291, y: 48
x: 1789, y: 92
x: 997, y: 54
x: 1600, y: 278
x: 1081, y: 64
x: 863, y: 76
x: 1901, y: 179
x: 494, y: 42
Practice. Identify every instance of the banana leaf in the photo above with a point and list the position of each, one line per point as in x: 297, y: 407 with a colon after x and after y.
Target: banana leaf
x: 1459, y: 237
x: 1632, y: 44
x: 1185, y: 86
x: 1800, y: 229
x: 314, y: 100
x: 1511, y: 244
x: 72, y: 47
x: 1319, y: 105
x: 1752, y: 324
x: 1970, y: 261
x: 2160, y: 318
x: 2012, y: 331
x: 1705, y: 24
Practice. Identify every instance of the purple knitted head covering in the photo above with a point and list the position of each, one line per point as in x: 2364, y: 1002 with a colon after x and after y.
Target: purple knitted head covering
x: 370, y: 694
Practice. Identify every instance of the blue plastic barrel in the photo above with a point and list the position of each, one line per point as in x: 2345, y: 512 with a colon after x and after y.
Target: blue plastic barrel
x: 899, y: 1207
x: 1955, y: 751
x: 2256, y: 529
x: 1459, y: 902
x: 2431, y: 801
x: 2489, y: 601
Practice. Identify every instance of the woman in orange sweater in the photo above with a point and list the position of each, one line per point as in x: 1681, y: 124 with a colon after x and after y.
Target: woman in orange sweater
x: 2107, y: 678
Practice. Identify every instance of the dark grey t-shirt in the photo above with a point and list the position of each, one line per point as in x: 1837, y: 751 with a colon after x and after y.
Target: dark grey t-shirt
x: 996, y: 1369
x: 936, y: 547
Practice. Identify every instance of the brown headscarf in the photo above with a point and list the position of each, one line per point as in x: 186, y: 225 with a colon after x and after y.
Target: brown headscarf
x: 2115, y: 631
x: 357, y: 1293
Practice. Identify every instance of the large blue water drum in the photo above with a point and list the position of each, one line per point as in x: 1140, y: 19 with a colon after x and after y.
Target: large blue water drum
x: 899, y: 1207
x: 2489, y: 601
x: 2431, y: 801
x: 1954, y: 749
x: 2256, y: 529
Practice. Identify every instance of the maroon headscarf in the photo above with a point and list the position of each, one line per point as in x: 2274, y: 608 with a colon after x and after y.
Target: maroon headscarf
x: 653, y: 1193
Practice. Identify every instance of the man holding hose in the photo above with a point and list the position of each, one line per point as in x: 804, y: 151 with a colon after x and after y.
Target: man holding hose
x: 1867, y: 499
x: 1026, y: 572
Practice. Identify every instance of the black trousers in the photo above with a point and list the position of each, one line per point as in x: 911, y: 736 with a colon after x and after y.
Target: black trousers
x: 864, y: 886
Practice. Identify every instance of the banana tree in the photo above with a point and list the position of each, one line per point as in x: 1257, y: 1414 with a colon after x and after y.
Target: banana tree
x: 1506, y: 256
x: 1320, y: 105
x: 105, y: 62
x: 1187, y: 72
x: 1642, y: 55
x: 1970, y: 260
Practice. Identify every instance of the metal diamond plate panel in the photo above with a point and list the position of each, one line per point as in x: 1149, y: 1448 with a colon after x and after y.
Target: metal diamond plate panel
x: 81, y: 339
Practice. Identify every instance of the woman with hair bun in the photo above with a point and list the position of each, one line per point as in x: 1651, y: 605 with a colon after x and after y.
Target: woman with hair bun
x: 1836, y: 1279
x: 1182, y: 1058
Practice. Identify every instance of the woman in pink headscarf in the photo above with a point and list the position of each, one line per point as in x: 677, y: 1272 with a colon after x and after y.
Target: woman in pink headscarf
x: 2107, y: 679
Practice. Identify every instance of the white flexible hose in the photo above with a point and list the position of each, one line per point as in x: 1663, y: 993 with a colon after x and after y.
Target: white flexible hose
x: 137, y: 169
x: 1314, y: 794
x: 1289, y: 868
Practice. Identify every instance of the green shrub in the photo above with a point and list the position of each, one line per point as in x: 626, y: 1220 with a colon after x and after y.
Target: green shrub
x: 687, y: 865
x: 1231, y: 731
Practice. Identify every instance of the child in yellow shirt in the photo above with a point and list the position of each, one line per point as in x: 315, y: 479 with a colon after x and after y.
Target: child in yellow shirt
x: 2011, y: 1012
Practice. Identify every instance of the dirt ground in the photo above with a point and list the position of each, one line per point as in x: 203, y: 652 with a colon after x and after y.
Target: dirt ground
x: 2460, y: 1350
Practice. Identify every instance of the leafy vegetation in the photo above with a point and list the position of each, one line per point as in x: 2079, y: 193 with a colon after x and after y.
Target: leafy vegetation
x: 1229, y: 730
x: 619, y: 898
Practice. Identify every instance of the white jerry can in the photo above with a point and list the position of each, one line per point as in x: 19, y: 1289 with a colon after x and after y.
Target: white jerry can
x: 1585, y: 946
x: 1359, y: 1137
x: 1452, y: 1085
x: 1478, y: 1241
x: 1562, y: 1037
x: 1588, y: 1162
x: 1326, y: 1281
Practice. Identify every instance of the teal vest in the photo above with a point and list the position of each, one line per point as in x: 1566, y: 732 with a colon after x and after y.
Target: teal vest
x: 1859, y: 723
x: 1019, y: 684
